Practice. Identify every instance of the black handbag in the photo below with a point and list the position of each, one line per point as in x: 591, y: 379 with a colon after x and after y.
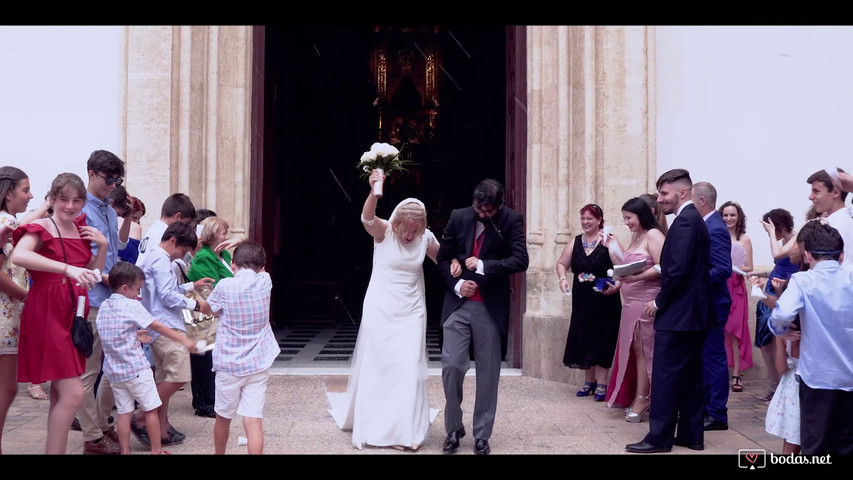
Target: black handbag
x: 82, y: 334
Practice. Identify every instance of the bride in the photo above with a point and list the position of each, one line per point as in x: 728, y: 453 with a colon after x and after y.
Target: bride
x: 386, y: 403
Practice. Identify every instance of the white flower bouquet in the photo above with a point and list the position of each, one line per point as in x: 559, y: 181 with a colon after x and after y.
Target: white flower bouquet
x: 382, y: 157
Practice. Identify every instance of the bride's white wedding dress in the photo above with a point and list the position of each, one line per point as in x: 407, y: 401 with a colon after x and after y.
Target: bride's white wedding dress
x: 387, y: 402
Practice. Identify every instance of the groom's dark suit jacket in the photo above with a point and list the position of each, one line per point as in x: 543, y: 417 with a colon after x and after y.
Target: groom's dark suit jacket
x: 504, y: 252
x: 686, y: 311
x: 685, y: 300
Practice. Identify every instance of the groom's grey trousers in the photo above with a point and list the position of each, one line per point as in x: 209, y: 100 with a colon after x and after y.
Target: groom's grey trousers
x: 471, y: 322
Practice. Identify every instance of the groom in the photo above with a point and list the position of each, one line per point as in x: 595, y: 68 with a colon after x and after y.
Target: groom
x: 487, y: 239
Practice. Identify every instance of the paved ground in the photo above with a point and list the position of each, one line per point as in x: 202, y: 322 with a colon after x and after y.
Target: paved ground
x: 534, y: 417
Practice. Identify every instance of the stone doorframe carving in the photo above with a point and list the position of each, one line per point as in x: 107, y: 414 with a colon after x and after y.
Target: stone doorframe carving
x: 187, y: 113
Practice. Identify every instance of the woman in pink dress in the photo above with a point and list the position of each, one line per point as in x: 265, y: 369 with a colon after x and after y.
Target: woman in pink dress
x: 630, y: 383
x: 57, y: 253
x: 738, y: 340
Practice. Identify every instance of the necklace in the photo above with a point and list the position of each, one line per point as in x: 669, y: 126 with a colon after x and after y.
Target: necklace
x: 589, y: 245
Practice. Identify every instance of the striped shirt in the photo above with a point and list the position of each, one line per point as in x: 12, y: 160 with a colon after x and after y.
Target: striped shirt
x: 119, y: 318
x: 245, y: 343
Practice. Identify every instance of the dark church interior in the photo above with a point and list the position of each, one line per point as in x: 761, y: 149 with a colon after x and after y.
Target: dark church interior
x: 436, y: 92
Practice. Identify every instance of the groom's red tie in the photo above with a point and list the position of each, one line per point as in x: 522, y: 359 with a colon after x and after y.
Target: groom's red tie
x: 475, y: 252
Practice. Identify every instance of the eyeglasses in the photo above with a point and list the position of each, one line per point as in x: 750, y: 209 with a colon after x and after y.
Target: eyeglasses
x: 111, y: 180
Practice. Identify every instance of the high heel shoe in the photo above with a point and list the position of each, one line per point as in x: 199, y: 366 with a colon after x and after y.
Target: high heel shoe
x: 736, y: 385
x: 587, y: 389
x: 600, y: 393
x: 637, y: 417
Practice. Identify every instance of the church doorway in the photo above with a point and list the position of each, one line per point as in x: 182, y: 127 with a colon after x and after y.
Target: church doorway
x: 326, y: 99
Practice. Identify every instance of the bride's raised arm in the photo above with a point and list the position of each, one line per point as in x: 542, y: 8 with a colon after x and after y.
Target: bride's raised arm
x: 374, y: 225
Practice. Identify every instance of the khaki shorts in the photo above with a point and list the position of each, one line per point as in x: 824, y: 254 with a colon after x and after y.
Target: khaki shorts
x: 171, y: 360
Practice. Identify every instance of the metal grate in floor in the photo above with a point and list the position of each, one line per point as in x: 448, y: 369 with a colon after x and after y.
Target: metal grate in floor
x: 315, y: 345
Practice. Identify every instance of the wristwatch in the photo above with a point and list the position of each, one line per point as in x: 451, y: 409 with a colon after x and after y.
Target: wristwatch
x: 197, y: 307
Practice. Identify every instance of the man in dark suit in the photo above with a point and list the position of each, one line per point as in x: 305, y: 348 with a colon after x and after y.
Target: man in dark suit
x: 683, y: 311
x: 715, y: 364
x: 487, y: 239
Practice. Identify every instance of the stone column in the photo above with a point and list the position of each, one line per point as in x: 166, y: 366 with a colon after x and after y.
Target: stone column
x: 188, y: 116
x: 591, y: 140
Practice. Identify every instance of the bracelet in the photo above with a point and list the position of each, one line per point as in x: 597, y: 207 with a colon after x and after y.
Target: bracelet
x: 368, y: 222
x: 561, y: 279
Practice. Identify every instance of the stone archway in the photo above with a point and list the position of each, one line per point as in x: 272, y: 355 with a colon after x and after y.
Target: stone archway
x: 590, y: 135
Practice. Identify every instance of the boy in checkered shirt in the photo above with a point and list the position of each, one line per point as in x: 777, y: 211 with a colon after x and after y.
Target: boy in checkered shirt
x: 245, y: 346
x: 120, y: 321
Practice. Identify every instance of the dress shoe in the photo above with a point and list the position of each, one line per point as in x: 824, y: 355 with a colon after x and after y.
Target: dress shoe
x: 711, y: 424
x: 643, y: 447
x: 451, y: 443
x: 111, y: 432
x: 695, y: 446
x: 102, y: 446
x: 481, y: 447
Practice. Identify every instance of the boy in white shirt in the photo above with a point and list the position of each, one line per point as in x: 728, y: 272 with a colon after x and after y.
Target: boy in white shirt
x: 119, y: 321
x: 245, y: 346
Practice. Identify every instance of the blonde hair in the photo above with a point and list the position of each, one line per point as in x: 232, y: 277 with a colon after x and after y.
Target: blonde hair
x: 212, y: 226
x: 410, y: 214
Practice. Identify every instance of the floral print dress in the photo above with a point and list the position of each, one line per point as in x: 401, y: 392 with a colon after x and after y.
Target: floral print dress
x: 10, y: 309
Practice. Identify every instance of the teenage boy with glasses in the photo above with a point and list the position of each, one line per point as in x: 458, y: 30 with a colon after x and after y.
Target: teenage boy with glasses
x: 105, y: 171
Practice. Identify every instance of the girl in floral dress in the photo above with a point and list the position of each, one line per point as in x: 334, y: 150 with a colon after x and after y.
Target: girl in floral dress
x: 783, y: 413
x: 14, y: 282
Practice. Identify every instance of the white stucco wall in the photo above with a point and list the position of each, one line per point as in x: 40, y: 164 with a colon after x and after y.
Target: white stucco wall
x: 60, y: 99
x: 755, y: 111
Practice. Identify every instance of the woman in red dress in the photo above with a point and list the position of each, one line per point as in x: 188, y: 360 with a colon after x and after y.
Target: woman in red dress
x: 57, y: 253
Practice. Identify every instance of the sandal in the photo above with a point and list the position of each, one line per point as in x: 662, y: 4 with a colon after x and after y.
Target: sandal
x: 587, y: 389
x: 736, y: 385
x: 600, y: 392
x: 767, y: 396
x: 36, y: 392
